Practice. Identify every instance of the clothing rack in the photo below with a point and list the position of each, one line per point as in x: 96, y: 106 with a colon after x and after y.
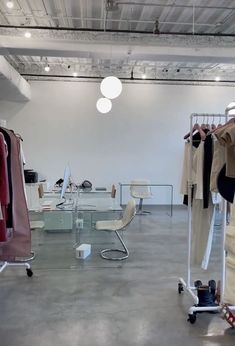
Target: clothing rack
x: 187, y: 285
x: 17, y: 264
x: 15, y: 228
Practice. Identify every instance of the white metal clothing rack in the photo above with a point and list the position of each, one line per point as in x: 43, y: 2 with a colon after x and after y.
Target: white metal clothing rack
x: 187, y: 286
x: 19, y: 263
x: 6, y: 264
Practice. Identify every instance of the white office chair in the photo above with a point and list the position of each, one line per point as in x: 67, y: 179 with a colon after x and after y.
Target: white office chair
x: 140, y: 189
x: 116, y: 226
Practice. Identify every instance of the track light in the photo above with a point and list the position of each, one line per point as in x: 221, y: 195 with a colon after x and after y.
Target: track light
x: 132, y: 74
x: 156, y: 30
x: 47, y: 68
x: 27, y: 34
x: 10, y: 4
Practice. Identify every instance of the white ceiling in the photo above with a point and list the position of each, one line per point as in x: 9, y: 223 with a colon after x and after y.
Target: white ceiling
x: 191, y: 40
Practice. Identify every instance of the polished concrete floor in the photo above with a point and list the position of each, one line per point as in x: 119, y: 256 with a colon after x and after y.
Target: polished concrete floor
x: 94, y: 302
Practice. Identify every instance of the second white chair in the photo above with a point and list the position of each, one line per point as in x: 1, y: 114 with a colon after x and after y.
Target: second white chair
x: 140, y: 188
x: 116, y: 226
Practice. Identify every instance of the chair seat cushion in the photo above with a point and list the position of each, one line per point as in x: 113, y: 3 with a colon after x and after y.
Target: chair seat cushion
x: 109, y: 225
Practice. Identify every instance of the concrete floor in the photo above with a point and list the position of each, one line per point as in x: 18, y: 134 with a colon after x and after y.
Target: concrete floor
x: 94, y: 302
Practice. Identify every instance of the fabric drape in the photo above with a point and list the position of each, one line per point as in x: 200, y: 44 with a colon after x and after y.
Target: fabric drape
x: 20, y: 243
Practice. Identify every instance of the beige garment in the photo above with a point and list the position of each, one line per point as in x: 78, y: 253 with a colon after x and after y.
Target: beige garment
x: 230, y: 240
x: 226, y: 137
x: 201, y: 225
x: 217, y: 163
x: 197, y: 169
x: 185, y: 169
x: 230, y: 232
x: 229, y: 292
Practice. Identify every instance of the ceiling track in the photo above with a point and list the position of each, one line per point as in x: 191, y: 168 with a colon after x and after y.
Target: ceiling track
x: 127, y: 78
x: 112, y: 31
x: 173, y: 5
x: 105, y: 20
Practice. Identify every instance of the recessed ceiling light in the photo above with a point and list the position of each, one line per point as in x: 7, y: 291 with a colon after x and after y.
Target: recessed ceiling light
x: 10, y: 4
x: 75, y: 74
x: 47, y: 68
x: 143, y: 76
x: 27, y: 34
x: 217, y: 79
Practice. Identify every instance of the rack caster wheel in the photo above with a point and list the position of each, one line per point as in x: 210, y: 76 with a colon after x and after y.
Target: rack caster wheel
x: 180, y: 287
x: 29, y: 272
x: 192, y: 318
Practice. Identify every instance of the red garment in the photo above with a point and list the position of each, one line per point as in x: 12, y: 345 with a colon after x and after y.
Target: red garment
x: 20, y: 243
x: 4, y: 188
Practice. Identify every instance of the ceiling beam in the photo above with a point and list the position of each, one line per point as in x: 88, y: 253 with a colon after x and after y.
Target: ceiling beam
x: 13, y: 86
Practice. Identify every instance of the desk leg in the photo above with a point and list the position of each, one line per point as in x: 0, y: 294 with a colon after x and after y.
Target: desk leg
x: 171, y: 200
x: 120, y: 194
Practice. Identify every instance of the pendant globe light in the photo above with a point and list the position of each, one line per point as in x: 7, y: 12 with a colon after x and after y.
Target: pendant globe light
x: 104, y: 105
x: 111, y: 87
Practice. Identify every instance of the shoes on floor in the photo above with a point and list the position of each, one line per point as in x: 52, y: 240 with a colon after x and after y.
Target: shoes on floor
x: 206, y: 293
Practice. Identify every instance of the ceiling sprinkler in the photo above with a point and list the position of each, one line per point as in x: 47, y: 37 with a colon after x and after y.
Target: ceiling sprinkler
x: 111, y: 5
x: 156, y: 30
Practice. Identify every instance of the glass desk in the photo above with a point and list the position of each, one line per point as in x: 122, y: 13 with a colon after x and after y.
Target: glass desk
x: 79, y: 212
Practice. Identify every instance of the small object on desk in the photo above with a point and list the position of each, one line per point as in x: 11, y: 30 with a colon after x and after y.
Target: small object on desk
x: 47, y: 204
x: 83, y: 251
x: 100, y: 189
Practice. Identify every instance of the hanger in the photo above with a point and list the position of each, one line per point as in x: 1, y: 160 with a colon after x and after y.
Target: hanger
x: 219, y: 126
x: 193, y: 130
x: 201, y: 131
x: 213, y: 126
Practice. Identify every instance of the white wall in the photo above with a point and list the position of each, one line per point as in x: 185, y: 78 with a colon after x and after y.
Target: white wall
x: 141, y: 137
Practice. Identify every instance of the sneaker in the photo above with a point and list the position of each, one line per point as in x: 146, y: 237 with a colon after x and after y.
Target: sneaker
x: 206, y: 298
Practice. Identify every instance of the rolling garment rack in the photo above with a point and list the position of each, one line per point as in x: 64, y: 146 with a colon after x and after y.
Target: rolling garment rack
x: 6, y: 264
x: 15, y: 228
x: 187, y: 285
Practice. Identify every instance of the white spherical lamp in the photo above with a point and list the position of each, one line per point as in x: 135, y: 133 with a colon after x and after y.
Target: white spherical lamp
x: 104, y: 105
x: 111, y: 87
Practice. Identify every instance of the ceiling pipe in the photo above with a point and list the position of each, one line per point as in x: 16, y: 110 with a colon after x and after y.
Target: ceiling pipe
x: 138, y: 3
x: 106, y: 20
x: 118, y: 31
x: 110, y: 20
x: 131, y: 78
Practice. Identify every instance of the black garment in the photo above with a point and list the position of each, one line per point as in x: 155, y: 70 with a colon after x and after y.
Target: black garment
x: 207, y: 163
